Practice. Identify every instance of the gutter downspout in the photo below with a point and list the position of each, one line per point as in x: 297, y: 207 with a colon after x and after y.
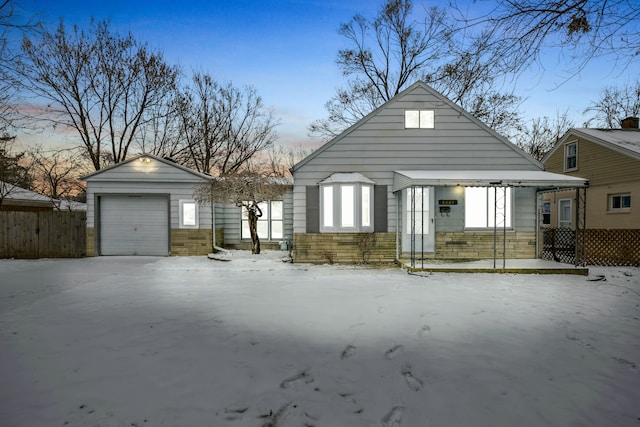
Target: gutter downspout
x: 214, y: 249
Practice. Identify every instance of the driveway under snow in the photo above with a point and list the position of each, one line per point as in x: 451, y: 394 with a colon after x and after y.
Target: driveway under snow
x: 257, y: 342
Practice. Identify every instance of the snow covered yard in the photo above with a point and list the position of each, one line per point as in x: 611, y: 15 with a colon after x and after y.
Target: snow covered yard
x: 257, y: 342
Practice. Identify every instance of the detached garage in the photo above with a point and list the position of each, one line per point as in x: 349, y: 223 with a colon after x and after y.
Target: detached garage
x: 146, y: 206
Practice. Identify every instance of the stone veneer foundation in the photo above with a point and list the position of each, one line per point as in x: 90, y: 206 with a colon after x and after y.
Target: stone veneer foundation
x: 344, y: 248
x: 347, y: 248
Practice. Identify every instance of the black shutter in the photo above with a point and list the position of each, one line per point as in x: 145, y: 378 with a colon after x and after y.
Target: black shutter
x: 380, y: 208
x: 313, y: 209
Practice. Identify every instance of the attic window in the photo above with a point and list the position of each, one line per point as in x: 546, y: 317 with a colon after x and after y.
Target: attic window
x: 419, y: 119
x: 571, y: 156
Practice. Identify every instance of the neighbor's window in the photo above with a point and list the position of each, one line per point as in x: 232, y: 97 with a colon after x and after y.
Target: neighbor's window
x: 346, y: 207
x: 188, y: 215
x: 620, y: 202
x: 270, y: 224
x: 571, y: 156
x: 419, y: 119
x: 546, y: 212
x: 564, y: 213
x: 481, y: 210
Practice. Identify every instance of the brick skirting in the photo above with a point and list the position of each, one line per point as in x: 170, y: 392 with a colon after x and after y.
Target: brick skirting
x: 91, y: 243
x: 480, y: 245
x: 186, y: 242
x: 359, y: 248
x: 344, y: 248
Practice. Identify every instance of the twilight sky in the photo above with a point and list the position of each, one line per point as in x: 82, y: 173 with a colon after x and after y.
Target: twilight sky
x: 287, y: 50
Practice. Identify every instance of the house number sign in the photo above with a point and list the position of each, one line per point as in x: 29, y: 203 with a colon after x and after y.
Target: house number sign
x: 447, y: 202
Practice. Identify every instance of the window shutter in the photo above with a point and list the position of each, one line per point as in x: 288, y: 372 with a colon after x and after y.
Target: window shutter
x: 313, y: 209
x: 380, y: 208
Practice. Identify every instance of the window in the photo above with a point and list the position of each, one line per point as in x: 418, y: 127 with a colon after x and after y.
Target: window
x: 419, y: 119
x: 418, y: 210
x: 483, y: 211
x: 270, y: 224
x: 188, y: 214
x: 346, y: 203
x: 564, y: 213
x: 366, y: 206
x: 327, y: 206
x: 619, y: 202
x: 546, y: 212
x: 571, y: 156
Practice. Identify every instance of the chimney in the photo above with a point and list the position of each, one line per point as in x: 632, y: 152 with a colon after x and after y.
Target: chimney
x: 629, y: 123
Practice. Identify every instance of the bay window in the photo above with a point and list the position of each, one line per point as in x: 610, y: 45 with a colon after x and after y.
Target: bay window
x: 346, y: 203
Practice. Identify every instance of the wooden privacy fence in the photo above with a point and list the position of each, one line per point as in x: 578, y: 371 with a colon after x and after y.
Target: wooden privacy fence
x: 608, y: 247
x: 48, y: 234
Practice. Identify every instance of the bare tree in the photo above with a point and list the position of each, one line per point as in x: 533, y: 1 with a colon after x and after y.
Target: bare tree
x: 615, y: 103
x: 582, y: 29
x: 543, y: 133
x: 245, y: 190
x: 393, y: 51
x: 55, y: 172
x: 103, y: 85
x: 11, y: 26
x: 277, y: 160
x: 13, y: 171
x: 223, y: 126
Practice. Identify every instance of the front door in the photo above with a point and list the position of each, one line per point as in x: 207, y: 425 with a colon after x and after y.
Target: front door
x: 418, y: 234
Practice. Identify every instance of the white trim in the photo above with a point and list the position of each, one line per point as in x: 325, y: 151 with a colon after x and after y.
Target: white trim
x: 192, y: 219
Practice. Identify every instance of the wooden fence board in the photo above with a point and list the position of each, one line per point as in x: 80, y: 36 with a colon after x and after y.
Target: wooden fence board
x: 47, y: 234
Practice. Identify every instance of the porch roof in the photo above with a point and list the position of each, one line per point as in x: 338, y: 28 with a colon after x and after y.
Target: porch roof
x: 485, y: 178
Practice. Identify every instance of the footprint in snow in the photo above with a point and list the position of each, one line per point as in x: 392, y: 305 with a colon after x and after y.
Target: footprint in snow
x: 423, y: 331
x: 393, y: 352
x: 302, y: 377
x: 413, y: 382
x: 393, y: 418
x: 348, y: 352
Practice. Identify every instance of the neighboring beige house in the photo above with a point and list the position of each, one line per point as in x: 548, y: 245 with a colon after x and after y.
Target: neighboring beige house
x: 610, y: 160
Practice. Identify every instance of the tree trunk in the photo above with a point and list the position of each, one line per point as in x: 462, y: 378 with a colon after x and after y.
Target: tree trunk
x: 254, y: 213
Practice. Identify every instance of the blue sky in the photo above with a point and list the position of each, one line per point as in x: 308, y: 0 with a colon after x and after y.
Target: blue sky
x: 287, y: 50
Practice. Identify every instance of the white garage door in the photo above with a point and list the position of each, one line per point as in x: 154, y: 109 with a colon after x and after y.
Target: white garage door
x: 134, y: 225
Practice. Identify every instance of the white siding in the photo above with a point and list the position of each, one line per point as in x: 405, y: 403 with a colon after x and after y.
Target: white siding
x: 177, y: 191
x: 229, y: 217
x: 147, y: 175
x: 380, y: 144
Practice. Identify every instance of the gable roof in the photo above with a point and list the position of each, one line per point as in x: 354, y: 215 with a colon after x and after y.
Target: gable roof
x: 441, y: 98
x: 624, y: 141
x: 150, y: 156
x: 15, y: 193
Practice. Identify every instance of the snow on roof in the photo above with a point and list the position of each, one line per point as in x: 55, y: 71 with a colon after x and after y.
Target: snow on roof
x: 346, y: 177
x: 70, y: 205
x: 627, y: 139
x: 484, y: 178
x: 13, y: 192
